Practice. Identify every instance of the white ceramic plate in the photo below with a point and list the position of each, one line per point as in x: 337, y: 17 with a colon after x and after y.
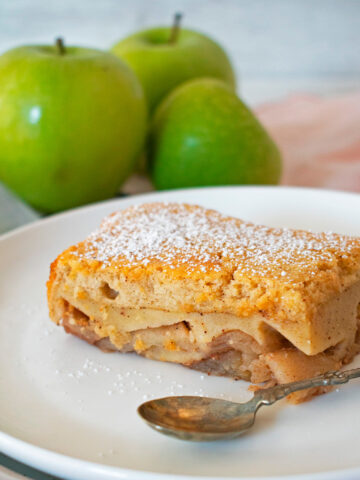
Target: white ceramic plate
x: 69, y: 409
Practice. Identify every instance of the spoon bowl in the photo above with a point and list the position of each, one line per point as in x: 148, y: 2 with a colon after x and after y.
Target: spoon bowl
x: 197, y: 418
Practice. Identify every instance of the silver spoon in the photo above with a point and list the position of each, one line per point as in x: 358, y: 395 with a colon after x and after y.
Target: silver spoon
x: 205, y: 419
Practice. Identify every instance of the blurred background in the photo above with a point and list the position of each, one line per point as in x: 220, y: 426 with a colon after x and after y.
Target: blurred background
x: 277, y: 47
x: 297, y: 66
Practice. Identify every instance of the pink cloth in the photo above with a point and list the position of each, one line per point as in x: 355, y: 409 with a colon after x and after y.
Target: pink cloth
x: 319, y: 139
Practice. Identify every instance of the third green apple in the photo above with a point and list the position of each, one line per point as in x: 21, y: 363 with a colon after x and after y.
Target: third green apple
x: 202, y: 134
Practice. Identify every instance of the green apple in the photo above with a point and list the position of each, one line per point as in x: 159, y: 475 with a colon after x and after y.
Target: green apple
x: 72, y: 123
x: 163, y: 58
x: 203, y: 134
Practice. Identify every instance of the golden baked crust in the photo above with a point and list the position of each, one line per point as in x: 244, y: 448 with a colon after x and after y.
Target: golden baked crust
x: 301, y: 288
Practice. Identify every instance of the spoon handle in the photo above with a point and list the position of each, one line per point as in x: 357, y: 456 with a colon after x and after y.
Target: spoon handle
x: 269, y: 396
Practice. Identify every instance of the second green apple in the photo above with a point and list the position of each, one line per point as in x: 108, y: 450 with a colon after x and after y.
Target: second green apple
x: 163, y: 61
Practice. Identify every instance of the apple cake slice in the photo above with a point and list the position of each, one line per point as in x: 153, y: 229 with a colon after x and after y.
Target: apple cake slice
x: 181, y: 283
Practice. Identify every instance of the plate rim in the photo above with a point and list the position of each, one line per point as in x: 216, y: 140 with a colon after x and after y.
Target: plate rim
x: 56, y: 216
x: 66, y: 465
x: 55, y: 463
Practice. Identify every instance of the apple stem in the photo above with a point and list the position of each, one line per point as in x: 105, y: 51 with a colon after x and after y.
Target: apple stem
x: 175, y: 28
x: 60, y: 46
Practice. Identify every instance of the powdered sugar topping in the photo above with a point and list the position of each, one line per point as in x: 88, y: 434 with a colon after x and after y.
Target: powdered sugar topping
x: 196, y: 238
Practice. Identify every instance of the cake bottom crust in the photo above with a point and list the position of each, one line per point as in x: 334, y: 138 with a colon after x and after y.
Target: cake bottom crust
x: 233, y: 354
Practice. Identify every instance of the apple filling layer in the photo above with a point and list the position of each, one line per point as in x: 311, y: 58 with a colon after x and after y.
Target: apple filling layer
x: 219, y: 344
